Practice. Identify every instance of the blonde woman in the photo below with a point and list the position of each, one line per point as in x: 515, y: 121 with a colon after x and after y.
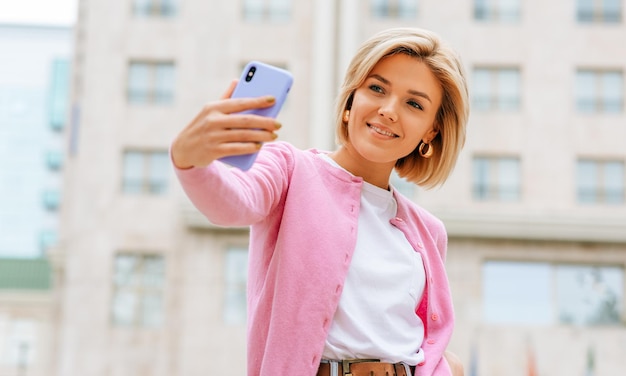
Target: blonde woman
x: 346, y: 275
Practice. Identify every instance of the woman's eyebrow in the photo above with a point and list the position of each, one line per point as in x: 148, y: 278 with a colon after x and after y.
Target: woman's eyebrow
x: 416, y: 93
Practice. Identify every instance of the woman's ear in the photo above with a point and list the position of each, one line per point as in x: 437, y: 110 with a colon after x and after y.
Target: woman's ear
x: 430, y: 136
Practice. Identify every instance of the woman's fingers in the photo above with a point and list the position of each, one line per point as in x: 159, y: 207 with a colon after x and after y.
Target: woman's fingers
x: 234, y: 105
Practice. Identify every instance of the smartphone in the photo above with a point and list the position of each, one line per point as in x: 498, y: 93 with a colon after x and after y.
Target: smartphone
x: 260, y: 79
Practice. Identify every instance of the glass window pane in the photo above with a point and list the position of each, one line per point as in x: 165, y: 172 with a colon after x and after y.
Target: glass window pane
x: 164, y: 83
x: 253, y: 10
x: 54, y: 160
x: 590, y: 295
x: 169, y: 7
x: 585, y: 91
x: 133, y: 172
x: 379, y: 8
x: 614, y: 182
x: 138, y: 83
x: 612, y: 91
x: 508, y: 89
x: 153, y: 271
x: 126, y: 273
x: 587, y: 176
x: 584, y: 10
x: 59, y: 94
x: 482, y: 90
x: 517, y: 292
x: 481, y: 178
x: 124, y: 307
x: 142, y: 7
x: 152, y: 310
x: 509, y: 179
x: 280, y: 10
x: 612, y: 10
x: 236, y: 275
x: 159, y: 172
x: 509, y: 10
x: 481, y: 10
x: 407, y: 9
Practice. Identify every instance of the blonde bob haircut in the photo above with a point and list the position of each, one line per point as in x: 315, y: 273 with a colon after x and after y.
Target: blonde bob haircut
x: 451, y: 118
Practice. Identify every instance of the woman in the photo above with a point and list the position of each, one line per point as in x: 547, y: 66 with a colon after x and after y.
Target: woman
x: 346, y: 275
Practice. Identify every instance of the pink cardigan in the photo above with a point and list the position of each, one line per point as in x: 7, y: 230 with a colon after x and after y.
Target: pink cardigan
x: 303, y: 214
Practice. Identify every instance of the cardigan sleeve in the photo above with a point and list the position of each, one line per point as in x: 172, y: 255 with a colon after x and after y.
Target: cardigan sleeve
x: 231, y: 197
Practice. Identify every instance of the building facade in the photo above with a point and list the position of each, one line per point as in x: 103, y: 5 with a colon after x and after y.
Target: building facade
x: 34, y: 93
x: 535, y: 209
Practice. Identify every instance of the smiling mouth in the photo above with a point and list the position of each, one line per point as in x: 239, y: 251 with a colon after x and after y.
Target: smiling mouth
x: 382, y: 131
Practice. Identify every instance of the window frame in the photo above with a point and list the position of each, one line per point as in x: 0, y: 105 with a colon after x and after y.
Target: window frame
x: 598, y: 193
x: 495, y: 98
x: 493, y: 189
x: 139, y: 291
x: 147, y: 183
x: 146, y: 91
x: 550, y: 308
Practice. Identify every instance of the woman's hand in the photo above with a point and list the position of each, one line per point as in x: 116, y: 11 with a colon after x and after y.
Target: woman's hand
x: 218, y: 131
x: 456, y: 366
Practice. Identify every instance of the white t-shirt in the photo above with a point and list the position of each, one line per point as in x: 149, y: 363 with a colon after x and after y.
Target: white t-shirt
x: 376, y: 314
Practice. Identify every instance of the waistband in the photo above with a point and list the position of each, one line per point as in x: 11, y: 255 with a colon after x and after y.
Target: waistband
x: 363, y: 367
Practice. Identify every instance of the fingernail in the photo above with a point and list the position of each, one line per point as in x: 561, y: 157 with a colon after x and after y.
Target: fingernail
x: 277, y: 125
x: 274, y: 136
x: 270, y: 99
x: 258, y: 145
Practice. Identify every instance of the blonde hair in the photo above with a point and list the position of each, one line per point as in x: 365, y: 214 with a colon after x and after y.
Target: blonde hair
x: 452, y: 115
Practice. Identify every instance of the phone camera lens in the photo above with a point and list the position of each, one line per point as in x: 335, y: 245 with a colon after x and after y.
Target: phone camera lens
x: 250, y: 74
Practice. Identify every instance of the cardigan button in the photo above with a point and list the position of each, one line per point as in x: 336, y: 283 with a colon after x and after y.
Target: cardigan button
x: 431, y: 341
x: 399, y: 219
x: 421, y: 364
x: 434, y: 317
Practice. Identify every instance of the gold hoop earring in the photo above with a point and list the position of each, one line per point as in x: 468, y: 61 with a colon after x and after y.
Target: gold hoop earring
x: 346, y: 116
x: 425, y: 153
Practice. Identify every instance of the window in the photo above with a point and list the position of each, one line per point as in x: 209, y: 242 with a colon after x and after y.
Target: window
x: 267, y: 10
x: 405, y: 9
x: 146, y: 172
x: 599, y: 91
x: 601, y: 11
x: 496, y: 89
x: 151, y: 82
x: 59, y: 94
x: 496, y: 179
x: 236, y: 276
x: 54, y: 160
x: 138, y: 285
x: 51, y: 199
x: 47, y: 239
x: 600, y: 182
x: 497, y: 10
x: 152, y: 8
x: 545, y: 293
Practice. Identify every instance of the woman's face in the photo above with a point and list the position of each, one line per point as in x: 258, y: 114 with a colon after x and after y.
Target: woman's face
x: 394, y: 109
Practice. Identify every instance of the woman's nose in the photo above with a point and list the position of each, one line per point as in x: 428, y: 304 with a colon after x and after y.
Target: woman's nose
x: 388, y: 109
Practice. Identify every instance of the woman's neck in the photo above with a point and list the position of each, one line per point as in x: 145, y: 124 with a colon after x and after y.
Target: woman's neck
x: 372, y: 172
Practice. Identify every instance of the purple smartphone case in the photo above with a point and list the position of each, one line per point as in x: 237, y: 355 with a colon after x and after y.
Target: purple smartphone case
x: 266, y: 80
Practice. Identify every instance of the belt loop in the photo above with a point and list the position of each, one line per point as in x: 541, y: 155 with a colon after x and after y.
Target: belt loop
x: 407, y: 369
x: 334, y: 368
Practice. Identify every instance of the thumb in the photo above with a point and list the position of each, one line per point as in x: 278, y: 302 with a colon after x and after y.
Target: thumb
x: 230, y: 89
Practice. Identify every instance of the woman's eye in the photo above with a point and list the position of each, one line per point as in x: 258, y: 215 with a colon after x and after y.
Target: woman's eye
x: 416, y: 105
x: 376, y: 88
